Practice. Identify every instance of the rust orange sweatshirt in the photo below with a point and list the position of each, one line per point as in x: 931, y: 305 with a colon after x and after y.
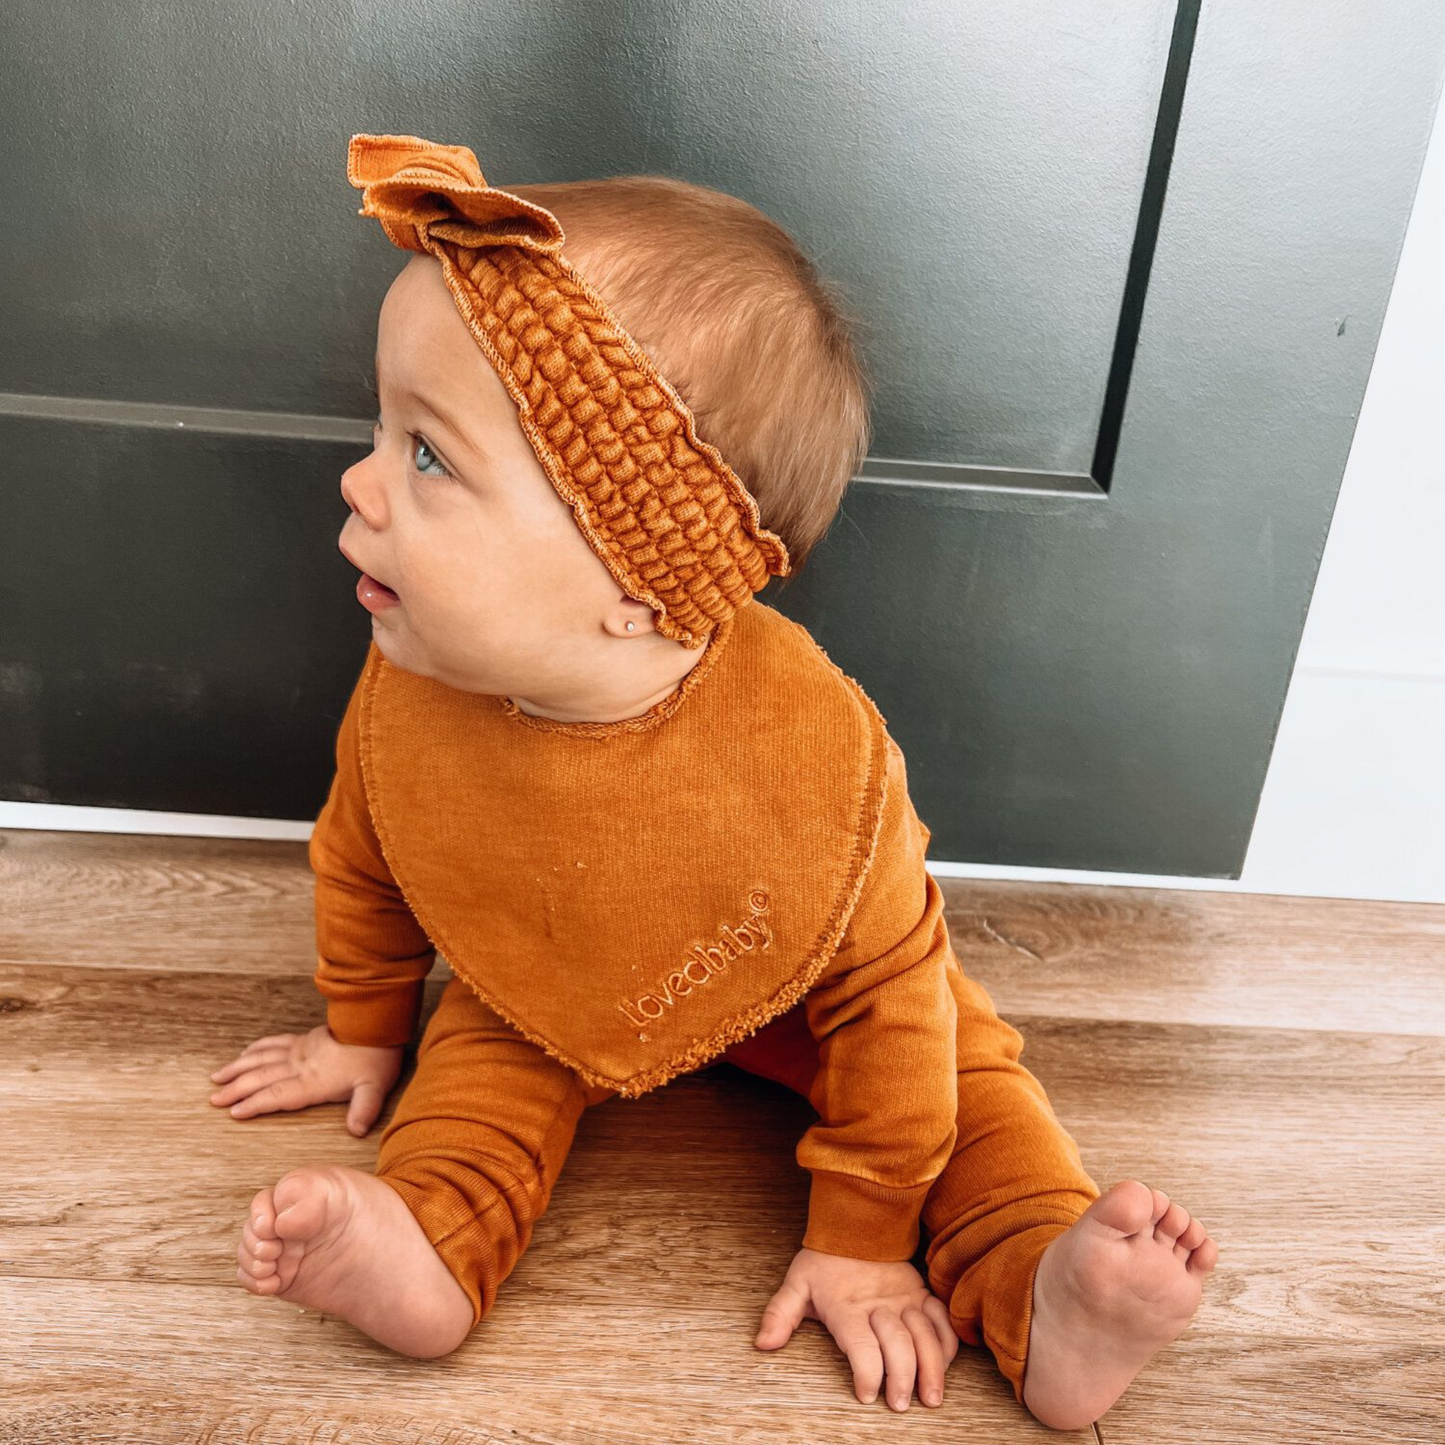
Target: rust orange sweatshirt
x: 636, y: 896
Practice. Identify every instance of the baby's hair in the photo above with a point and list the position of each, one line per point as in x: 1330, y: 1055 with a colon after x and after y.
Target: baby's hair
x: 743, y: 327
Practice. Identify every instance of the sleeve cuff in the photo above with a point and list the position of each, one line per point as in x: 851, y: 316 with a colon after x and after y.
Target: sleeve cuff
x: 855, y: 1217
x: 386, y: 1020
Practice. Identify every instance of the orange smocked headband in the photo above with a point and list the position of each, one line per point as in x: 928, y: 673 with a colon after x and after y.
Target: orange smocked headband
x: 658, y: 505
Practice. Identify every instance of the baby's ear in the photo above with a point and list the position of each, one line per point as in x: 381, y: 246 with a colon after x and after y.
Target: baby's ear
x: 632, y: 618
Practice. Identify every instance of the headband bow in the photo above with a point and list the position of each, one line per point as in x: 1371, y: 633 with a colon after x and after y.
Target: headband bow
x: 416, y: 188
x: 661, y: 508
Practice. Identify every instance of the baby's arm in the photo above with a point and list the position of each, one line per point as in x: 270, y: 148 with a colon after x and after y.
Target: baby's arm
x: 372, y: 962
x: 885, y: 1019
x: 372, y: 955
x: 886, y: 1091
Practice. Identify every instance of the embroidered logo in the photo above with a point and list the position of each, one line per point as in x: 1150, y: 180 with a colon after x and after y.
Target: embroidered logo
x: 703, y: 963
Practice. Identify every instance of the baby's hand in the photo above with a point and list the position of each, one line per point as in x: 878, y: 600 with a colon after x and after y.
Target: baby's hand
x: 880, y: 1314
x: 293, y: 1071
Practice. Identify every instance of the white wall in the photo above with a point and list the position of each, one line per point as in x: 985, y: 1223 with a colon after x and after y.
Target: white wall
x: 1354, y: 801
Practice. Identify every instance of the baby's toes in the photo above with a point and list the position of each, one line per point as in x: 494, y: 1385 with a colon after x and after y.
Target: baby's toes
x: 267, y: 1249
x: 258, y: 1275
x: 263, y: 1216
x: 1191, y: 1238
x: 267, y: 1284
x: 254, y: 1264
x: 1204, y: 1257
x: 260, y: 1247
x: 1172, y: 1223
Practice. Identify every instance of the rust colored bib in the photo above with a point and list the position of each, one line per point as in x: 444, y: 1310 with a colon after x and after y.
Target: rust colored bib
x: 635, y: 896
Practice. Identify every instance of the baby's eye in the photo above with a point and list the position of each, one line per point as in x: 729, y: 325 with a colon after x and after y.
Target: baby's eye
x: 419, y: 444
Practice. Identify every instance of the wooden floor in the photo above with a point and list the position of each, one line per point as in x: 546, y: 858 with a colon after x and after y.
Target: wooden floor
x: 1275, y: 1064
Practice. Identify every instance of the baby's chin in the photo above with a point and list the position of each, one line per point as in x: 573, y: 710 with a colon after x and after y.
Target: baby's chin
x: 475, y: 650
x: 388, y: 645
x: 403, y: 648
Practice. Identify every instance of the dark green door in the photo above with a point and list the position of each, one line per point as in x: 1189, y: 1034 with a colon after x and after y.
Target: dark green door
x: 1120, y: 270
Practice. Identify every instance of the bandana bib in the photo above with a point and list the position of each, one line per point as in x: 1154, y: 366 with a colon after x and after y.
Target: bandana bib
x: 635, y: 896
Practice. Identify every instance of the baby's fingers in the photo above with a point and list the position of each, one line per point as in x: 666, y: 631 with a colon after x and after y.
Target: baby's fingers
x: 899, y: 1358
x: 249, y: 1060
x: 264, y: 1091
x: 268, y: 1040
x: 856, y: 1339
x: 247, y: 1068
x: 781, y: 1316
x: 937, y: 1313
x: 928, y: 1349
x: 367, y: 1100
x: 288, y: 1093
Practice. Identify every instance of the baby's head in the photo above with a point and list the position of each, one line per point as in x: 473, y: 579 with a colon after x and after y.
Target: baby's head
x: 499, y: 590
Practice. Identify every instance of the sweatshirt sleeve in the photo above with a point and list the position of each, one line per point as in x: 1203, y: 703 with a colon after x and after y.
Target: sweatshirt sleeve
x: 885, y: 1019
x: 372, y: 954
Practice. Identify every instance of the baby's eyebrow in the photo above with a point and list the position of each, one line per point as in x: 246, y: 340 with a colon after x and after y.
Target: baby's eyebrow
x: 407, y: 391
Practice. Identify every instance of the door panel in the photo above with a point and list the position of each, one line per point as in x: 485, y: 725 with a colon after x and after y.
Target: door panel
x: 1119, y: 270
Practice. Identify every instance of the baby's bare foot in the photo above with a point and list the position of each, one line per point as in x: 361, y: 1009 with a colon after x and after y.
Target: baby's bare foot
x: 1110, y: 1293
x: 340, y: 1240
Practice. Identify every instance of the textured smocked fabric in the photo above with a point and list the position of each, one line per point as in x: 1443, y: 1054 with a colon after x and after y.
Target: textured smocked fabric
x: 659, y: 505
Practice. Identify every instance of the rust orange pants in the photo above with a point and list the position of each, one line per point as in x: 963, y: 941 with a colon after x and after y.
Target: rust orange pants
x: 481, y: 1132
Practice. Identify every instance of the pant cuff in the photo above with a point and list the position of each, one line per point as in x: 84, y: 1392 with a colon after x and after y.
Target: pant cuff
x: 466, y: 1246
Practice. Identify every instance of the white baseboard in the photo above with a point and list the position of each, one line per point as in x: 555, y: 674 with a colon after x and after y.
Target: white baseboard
x: 64, y: 818
x: 1353, y: 804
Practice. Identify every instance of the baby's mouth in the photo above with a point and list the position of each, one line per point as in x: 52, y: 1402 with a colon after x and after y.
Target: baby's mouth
x: 373, y: 594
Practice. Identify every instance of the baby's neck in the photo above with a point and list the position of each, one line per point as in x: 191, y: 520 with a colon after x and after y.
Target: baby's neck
x: 623, y: 700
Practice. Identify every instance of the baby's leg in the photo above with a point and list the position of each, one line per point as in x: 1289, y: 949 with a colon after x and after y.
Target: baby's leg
x: 1014, y: 1184
x: 1072, y: 1291
x: 476, y: 1146
x: 414, y: 1254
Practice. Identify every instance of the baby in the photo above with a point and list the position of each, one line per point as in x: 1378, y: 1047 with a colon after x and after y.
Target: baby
x: 647, y: 821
